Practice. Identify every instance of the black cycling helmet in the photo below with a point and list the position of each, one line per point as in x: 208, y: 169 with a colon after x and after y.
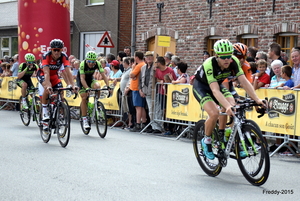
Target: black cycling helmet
x: 57, y: 43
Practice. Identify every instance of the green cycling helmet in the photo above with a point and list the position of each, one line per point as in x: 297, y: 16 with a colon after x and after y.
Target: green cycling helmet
x: 29, y: 57
x: 91, y: 55
x: 223, y: 46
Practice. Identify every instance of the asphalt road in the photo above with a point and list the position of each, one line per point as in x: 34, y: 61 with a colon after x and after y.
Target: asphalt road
x: 123, y: 166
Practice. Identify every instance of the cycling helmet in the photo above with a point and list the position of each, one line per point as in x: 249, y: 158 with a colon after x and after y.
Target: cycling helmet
x: 223, y: 46
x: 240, y: 49
x: 29, y: 57
x: 56, y: 43
x: 91, y: 55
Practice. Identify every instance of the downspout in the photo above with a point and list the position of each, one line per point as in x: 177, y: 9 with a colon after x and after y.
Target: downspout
x: 133, y: 30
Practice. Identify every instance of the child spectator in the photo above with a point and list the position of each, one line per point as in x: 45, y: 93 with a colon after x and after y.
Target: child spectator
x: 286, y: 73
x: 261, y: 78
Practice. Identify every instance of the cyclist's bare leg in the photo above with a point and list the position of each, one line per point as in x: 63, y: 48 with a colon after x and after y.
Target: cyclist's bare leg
x: 223, y: 118
x: 83, y: 104
x: 24, y: 88
x: 96, y: 85
x: 213, y: 114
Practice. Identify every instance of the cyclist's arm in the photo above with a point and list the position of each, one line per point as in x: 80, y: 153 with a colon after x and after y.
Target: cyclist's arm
x: 21, y: 72
x: 47, y: 83
x: 68, y: 76
x: 105, y: 78
x: 249, y: 88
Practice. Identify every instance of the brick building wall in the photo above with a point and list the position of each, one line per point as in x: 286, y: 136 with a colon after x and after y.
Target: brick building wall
x: 125, y: 24
x: 191, y: 20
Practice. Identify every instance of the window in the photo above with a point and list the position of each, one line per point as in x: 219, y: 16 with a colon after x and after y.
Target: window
x: 8, y: 46
x: 287, y: 41
x: 89, y: 41
x: 210, y: 44
x: 94, y: 2
x: 250, y: 40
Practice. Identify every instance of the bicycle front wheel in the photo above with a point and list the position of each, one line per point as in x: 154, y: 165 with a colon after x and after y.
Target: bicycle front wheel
x: 63, y: 124
x: 101, y: 119
x: 210, y: 167
x: 24, y: 112
x: 45, y: 134
x: 256, y: 166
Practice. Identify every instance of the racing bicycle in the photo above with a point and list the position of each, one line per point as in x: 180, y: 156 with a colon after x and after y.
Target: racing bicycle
x: 59, y: 122
x: 33, y: 110
x: 95, y: 114
x: 245, y: 144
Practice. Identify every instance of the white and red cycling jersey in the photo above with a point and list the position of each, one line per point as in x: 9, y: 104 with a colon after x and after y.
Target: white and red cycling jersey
x: 54, y: 66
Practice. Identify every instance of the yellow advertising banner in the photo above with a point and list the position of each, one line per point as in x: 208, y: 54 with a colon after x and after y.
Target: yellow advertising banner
x: 110, y: 103
x: 182, y: 105
x: 282, y: 111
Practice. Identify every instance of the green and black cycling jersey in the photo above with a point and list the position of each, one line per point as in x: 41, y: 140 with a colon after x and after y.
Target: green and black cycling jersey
x: 210, y: 71
x: 29, y: 72
x: 88, y: 72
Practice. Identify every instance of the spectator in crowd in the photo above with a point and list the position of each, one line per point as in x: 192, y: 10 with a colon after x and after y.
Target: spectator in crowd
x: 295, y: 56
x: 146, y: 83
x: 106, y: 69
x: 6, y: 69
x: 120, y: 57
x: 109, y: 58
x: 261, y: 55
x: 15, y: 66
x: 253, y: 66
x: 168, y: 57
x: 174, y: 61
x: 161, y: 70
x: 124, y: 85
x: 115, y: 73
x: 286, y: 73
x: 206, y: 55
x: 276, y: 80
x: 284, y: 56
x: 274, y: 54
x: 75, y: 70
x: 261, y: 78
x: 127, y: 50
x: 183, y: 76
x: 251, y: 53
x: 138, y: 101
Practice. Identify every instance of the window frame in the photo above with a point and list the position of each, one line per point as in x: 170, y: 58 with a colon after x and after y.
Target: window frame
x: 292, y: 40
x: 88, y: 3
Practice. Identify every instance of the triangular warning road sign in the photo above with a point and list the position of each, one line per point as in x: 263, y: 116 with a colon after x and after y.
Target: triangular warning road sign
x: 106, y: 41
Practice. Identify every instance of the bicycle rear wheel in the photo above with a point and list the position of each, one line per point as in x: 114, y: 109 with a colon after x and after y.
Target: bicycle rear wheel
x: 36, y: 110
x: 256, y: 166
x: 210, y: 167
x: 24, y: 113
x: 101, y: 119
x: 45, y: 134
x: 63, y: 124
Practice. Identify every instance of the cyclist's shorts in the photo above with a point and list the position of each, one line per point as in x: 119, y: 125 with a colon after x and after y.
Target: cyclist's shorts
x: 82, y: 89
x: 29, y: 83
x: 203, y: 93
x: 54, y: 79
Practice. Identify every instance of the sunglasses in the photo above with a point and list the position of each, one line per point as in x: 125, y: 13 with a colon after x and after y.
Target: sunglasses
x: 256, y: 58
x: 56, y: 49
x: 225, y: 57
x: 30, y: 62
x: 240, y: 56
x: 91, y: 61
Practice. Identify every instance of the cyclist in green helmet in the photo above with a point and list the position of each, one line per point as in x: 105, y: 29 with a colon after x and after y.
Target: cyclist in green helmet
x: 209, y: 91
x: 86, y: 80
x: 26, y: 69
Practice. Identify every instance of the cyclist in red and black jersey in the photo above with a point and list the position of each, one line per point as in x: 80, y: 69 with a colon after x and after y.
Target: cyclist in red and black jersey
x: 54, y: 61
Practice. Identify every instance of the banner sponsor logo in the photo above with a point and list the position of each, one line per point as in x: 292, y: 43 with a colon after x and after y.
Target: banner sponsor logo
x: 180, y: 97
x: 284, y: 106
